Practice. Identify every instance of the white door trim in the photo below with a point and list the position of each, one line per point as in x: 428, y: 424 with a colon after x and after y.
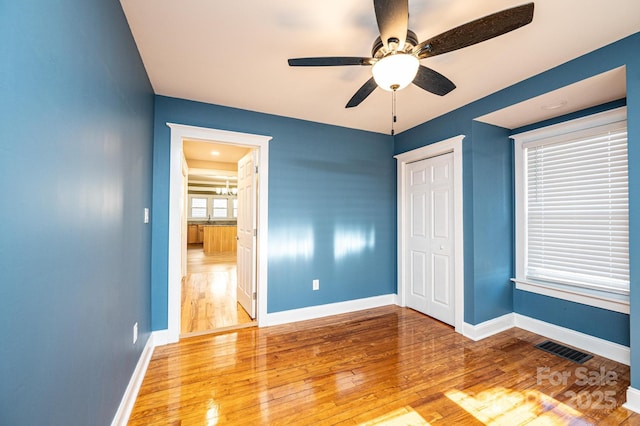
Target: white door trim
x: 453, y: 145
x: 180, y: 132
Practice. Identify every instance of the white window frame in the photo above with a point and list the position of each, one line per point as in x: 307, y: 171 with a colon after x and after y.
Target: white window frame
x: 214, y: 208
x: 210, y: 199
x: 191, y: 197
x: 599, y: 298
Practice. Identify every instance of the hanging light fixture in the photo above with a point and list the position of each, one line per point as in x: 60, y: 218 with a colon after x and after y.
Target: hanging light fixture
x: 395, y: 71
x: 396, y: 67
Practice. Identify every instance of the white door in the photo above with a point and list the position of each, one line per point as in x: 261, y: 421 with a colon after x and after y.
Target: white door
x: 430, y: 240
x: 184, y: 198
x: 246, y: 233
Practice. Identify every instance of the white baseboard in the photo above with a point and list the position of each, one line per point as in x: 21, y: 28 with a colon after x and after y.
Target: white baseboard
x: 488, y: 328
x: 633, y: 400
x: 605, y: 348
x: 313, y: 312
x: 161, y: 338
x: 130, y: 394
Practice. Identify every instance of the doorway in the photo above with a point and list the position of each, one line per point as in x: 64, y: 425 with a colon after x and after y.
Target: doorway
x: 215, y: 206
x: 177, y: 208
x: 406, y: 268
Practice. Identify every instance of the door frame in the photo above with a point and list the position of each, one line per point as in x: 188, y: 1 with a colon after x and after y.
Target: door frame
x: 453, y: 145
x: 179, y: 132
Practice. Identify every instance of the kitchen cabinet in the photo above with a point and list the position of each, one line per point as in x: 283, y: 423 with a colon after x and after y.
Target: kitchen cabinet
x: 220, y: 239
x: 192, y: 234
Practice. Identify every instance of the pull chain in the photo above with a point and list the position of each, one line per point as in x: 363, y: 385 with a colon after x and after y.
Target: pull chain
x: 394, y: 118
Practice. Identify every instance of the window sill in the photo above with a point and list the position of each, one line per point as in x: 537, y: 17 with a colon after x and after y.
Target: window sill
x: 599, y: 299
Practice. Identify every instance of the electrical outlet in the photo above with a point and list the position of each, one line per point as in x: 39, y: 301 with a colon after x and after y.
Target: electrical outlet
x: 135, y: 333
x: 316, y: 284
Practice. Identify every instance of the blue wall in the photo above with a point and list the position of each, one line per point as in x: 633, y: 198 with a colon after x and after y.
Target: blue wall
x: 487, y: 171
x: 332, y: 206
x: 76, y: 113
x: 633, y: 128
x: 492, y: 207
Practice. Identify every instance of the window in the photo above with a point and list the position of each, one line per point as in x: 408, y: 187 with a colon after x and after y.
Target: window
x: 212, y: 207
x: 572, y: 214
x: 198, y: 207
x: 220, y: 207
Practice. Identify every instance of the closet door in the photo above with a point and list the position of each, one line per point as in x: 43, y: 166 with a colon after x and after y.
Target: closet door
x: 430, y: 242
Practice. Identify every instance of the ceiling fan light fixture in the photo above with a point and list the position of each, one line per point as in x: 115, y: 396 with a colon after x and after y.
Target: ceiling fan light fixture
x: 395, y: 71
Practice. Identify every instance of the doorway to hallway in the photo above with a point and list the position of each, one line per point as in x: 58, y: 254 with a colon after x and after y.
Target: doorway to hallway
x: 176, y: 233
x: 219, y: 207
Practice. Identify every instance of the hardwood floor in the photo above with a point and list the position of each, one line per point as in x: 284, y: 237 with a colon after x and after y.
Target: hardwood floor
x: 209, y: 300
x: 388, y: 365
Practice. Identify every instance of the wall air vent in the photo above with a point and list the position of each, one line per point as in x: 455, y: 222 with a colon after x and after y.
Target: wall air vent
x: 564, y: 351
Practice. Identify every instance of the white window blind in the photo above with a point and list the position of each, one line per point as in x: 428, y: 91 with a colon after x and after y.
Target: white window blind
x: 220, y: 207
x: 577, y: 216
x: 198, y: 207
x: 212, y: 207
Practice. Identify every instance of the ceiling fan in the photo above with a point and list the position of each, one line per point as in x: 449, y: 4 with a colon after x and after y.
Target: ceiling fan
x: 396, y: 53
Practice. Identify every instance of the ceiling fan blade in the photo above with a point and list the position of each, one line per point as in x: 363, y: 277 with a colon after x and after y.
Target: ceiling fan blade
x: 362, y: 93
x: 330, y: 61
x: 432, y: 81
x: 476, y: 31
x: 393, y: 19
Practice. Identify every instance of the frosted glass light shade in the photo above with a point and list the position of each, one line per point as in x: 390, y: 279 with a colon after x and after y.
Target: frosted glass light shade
x: 397, y: 71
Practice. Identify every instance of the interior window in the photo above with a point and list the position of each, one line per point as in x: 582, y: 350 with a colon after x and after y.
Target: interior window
x: 220, y: 207
x: 198, y: 207
x: 572, y: 214
x: 212, y: 207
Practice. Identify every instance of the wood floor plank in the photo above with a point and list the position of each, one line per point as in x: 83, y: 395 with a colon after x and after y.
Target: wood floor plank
x: 209, y: 293
x: 381, y: 366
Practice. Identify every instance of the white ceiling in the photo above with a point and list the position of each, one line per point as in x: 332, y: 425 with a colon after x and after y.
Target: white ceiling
x: 205, y: 151
x: 597, y: 90
x: 215, y: 163
x: 234, y: 53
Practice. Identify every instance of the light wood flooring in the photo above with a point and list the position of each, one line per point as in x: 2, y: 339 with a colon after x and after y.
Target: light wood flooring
x: 388, y: 365
x: 209, y: 299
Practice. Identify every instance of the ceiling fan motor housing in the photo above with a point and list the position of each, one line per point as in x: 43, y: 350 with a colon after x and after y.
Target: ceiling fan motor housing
x: 378, y: 50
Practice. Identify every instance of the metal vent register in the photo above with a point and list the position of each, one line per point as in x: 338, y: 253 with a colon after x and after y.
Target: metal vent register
x: 564, y: 351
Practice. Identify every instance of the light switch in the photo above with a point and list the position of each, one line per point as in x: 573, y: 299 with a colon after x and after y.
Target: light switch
x: 146, y: 215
